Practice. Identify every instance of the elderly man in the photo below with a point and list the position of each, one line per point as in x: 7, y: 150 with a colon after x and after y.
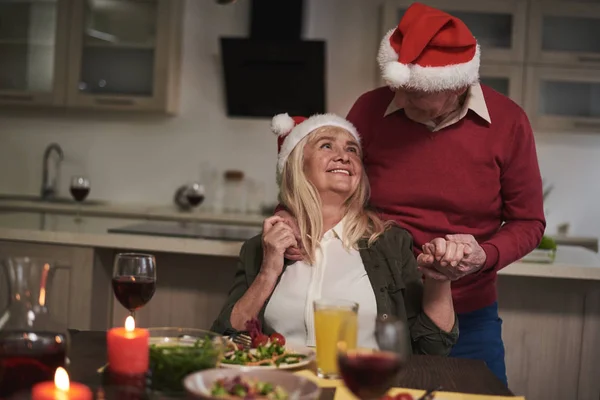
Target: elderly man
x: 453, y: 162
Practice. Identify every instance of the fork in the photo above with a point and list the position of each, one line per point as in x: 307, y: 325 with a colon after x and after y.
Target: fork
x: 242, y: 339
x: 430, y: 394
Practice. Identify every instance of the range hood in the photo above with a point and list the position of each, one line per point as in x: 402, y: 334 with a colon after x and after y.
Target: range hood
x: 274, y: 70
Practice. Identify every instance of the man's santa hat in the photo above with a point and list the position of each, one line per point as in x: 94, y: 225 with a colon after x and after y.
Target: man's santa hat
x: 429, y: 51
x: 291, y: 130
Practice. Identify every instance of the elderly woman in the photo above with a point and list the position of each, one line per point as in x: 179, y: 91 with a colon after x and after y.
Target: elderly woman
x: 350, y: 253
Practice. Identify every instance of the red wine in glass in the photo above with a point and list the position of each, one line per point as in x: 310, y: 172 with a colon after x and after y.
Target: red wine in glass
x: 134, y: 280
x: 133, y: 292
x: 79, y: 193
x: 194, y: 199
x: 367, y: 374
x: 27, y: 358
x: 80, y: 188
x: 194, y: 194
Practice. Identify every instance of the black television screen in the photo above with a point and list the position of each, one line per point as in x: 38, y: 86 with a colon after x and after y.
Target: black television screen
x: 263, y: 78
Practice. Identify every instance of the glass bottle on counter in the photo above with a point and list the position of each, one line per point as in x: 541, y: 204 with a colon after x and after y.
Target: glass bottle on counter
x: 235, y: 192
x: 255, y: 196
x: 33, y: 344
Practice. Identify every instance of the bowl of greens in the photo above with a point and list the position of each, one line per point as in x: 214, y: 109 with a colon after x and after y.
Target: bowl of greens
x: 178, y: 352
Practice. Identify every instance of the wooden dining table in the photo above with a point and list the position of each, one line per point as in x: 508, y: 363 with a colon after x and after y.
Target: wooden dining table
x: 88, y: 353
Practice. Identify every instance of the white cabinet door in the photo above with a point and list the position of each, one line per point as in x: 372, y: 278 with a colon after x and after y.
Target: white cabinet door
x: 33, y: 52
x: 563, y: 99
x: 498, y: 25
x: 565, y: 33
x: 124, y: 55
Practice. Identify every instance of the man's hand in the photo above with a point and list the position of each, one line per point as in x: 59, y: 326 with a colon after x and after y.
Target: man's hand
x: 293, y: 253
x: 454, y: 257
x: 475, y: 259
x: 440, y: 259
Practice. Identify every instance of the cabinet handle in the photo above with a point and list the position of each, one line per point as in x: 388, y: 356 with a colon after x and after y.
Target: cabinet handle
x: 588, y: 59
x: 115, y: 102
x: 16, y: 97
x: 583, y: 125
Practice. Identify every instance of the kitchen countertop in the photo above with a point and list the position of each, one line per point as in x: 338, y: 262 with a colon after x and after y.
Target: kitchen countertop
x: 572, y: 262
x: 92, y: 232
x: 132, y: 211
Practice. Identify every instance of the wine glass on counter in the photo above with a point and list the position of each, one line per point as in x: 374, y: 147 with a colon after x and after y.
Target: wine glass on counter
x: 370, y: 373
x: 80, y: 188
x: 134, y: 280
x: 195, y: 194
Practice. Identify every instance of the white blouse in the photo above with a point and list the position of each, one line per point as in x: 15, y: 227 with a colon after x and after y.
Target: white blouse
x: 338, y: 273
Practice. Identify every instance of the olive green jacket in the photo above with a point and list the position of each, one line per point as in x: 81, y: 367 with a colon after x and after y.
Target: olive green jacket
x: 392, y: 270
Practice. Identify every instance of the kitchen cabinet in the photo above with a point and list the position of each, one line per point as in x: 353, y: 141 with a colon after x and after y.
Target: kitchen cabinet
x: 499, y: 26
x: 548, y: 87
x: 33, y: 45
x: 564, y: 33
x: 124, y: 55
x: 506, y: 79
x: 70, y: 299
x: 103, y: 54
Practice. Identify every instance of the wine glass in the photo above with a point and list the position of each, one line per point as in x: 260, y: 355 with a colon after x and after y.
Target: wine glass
x: 194, y: 194
x: 370, y: 373
x: 134, y: 280
x: 80, y: 188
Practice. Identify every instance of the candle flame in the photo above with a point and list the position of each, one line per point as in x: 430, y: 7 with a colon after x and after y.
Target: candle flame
x: 129, y: 324
x: 61, y: 379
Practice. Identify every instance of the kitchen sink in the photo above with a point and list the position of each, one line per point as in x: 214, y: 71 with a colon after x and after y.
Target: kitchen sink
x: 37, y: 199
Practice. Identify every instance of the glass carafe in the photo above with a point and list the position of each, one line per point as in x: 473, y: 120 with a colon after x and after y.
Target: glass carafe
x: 32, y: 343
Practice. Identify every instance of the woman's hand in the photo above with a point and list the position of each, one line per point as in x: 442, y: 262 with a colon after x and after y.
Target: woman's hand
x: 293, y: 253
x: 277, y: 237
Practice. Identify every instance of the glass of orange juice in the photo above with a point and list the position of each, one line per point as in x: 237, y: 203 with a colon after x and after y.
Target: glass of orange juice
x: 330, y: 315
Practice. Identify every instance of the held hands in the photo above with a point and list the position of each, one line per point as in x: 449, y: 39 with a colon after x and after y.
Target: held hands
x: 277, y: 236
x: 293, y: 253
x: 451, y: 258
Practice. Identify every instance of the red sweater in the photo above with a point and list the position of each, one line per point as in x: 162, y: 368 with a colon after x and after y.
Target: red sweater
x: 467, y: 178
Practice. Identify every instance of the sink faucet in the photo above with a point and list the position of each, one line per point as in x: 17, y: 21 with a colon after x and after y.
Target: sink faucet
x: 49, y: 188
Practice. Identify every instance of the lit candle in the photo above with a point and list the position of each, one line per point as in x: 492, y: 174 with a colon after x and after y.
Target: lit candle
x: 128, y: 351
x: 61, y: 389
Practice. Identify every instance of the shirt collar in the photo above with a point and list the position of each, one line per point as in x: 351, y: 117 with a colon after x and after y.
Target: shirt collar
x: 336, y: 231
x: 475, y: 102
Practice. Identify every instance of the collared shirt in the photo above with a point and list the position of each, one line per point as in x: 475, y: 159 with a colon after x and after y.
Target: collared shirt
x: 338, y: 273
x: 474, y: 101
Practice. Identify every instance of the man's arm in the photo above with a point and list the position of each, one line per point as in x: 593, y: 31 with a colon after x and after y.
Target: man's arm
x: 523, y: 202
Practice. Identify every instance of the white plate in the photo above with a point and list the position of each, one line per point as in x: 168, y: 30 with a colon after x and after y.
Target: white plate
x: 307, y: 351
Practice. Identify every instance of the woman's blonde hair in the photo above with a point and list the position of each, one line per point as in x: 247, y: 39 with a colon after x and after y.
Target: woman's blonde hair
x: 302, y: 199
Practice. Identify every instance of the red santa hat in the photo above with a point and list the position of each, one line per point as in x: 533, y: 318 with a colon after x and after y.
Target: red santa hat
x: 429, y: 51
x: 291, y: 130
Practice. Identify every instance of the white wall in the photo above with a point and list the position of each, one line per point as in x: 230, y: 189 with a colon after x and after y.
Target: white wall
x: 143, y: 159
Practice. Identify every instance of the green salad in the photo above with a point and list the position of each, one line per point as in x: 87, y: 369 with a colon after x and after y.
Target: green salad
x: 247, y: 389
x: 169, y: 364
x: 270, y: 354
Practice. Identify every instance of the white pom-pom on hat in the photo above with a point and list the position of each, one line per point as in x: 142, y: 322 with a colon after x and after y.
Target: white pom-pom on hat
x: 282, y: 124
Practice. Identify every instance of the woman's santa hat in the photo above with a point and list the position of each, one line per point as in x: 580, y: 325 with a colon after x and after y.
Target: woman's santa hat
x: 291, y: 130
x: 429, y: 51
